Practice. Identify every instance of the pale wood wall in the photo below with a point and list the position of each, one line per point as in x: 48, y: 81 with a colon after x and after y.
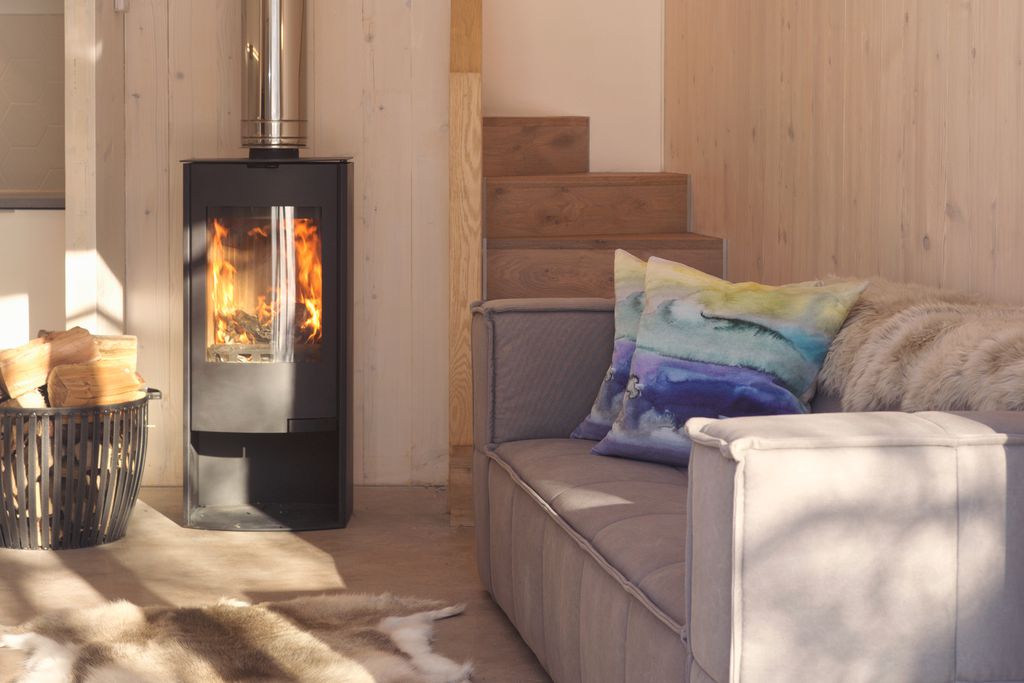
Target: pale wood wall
x: 379, y: 74
x: 94, y: 161
x: 869, y: 137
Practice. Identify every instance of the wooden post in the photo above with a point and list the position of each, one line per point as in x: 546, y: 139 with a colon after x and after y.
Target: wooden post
x: 465, y: 246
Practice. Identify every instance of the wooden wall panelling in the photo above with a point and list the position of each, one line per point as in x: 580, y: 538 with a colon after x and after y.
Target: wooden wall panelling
x: 465, y: 239
x: 924, y: 217
x: 337, y: 128
x: 94, y: 166
x: 429, y: 226
x: 388, y: 155
x: 152, y: 244
x: 868, y: 138
x: 371, y: 66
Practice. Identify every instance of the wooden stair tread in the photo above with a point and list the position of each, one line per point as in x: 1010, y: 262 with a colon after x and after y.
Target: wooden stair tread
x: 559, y: 266
x: 519, y: 121
x: 675, y: 240
x: 528, y: 145
x: 586, y: 204
x: 591, y: 179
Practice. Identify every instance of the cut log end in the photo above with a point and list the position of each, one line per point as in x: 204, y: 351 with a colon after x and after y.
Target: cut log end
x: 25, y: 368
x: 98, y: 383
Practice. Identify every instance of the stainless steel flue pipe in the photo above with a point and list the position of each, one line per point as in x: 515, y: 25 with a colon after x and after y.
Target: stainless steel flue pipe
x: 273, y: 74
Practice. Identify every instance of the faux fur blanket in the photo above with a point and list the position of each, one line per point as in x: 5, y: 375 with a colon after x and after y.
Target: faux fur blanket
x: 908, y: 347
x: 338, y: 638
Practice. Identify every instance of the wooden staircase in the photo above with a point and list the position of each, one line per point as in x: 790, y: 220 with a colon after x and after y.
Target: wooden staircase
x: 551, y: 226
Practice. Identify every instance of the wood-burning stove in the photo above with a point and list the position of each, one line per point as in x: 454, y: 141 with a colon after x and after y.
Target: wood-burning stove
x: 268, y: 277
x: 268, y: 263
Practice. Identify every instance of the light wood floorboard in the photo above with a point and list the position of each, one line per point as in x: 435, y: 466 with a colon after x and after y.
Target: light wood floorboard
x: 398, y: 541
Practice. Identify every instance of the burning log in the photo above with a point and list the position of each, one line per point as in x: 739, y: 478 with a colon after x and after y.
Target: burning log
x: 94, y: 384
x: 26, y: 367
x: 250, y: 325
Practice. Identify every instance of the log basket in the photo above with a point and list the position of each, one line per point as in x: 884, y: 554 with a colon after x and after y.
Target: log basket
x: 69, y: 477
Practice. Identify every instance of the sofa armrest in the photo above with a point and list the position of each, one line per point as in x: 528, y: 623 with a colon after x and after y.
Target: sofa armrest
x: 537, y: 365
x: 857, y: 547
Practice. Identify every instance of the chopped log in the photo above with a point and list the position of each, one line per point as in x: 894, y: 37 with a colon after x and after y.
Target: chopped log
x: 122, y: 348
x: 93, y: 384
x: 27, y: 367
x: 30, y: 399
x: 250, y: 324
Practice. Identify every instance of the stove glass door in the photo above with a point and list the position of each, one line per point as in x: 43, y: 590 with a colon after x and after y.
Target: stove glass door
x: 264, y: 285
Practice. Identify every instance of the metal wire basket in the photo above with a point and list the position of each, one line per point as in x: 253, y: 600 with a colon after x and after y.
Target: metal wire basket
x: 69, y: 477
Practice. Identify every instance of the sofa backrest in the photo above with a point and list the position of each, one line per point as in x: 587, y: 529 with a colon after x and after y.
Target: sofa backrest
x: 826, y: 403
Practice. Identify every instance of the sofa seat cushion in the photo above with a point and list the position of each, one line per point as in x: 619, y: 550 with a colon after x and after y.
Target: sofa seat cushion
x: 632, y: 514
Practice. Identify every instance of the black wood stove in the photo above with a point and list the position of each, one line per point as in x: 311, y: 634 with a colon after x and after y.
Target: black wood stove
x: 268, y: 263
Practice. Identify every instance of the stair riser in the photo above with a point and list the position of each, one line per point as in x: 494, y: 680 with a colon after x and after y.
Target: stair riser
x: 570, y: 208
x: 527, y: 273
x: 536, y: 147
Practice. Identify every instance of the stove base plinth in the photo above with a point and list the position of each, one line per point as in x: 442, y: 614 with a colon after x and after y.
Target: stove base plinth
x: 266, y: 517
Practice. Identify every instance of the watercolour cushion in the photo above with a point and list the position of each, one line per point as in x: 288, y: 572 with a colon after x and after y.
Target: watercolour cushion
x: 710, y: 348
x: 630, y: 273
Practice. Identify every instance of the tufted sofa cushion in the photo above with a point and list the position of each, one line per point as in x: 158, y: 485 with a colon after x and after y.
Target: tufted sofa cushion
x: 631, y: 514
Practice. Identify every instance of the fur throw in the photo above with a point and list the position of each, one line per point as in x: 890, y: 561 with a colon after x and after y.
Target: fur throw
x: 908, y: 347
x: 337, y: 638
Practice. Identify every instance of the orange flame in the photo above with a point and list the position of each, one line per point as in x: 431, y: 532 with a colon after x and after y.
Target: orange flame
x: 226, y: 300
x: 222, y: 290
x: 309, y: 267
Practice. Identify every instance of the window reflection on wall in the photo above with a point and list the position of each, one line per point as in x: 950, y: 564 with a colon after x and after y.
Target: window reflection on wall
x: 31, y: 101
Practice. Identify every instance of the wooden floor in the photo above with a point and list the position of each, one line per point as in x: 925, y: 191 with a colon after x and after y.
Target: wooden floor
x: 398, y: 541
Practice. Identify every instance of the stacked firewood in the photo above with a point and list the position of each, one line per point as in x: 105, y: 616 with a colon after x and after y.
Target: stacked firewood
x: 71, y: 368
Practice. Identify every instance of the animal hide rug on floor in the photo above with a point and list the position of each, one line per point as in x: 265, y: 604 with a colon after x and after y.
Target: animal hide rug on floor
x: 908, y: 347
x: 328, y: 639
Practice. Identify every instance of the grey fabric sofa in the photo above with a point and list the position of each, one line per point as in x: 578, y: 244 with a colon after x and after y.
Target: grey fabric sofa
x: 823, y: 547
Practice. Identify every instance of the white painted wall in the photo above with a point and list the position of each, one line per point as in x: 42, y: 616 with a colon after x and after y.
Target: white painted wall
x: 32, y: 279
x: 596, y: 58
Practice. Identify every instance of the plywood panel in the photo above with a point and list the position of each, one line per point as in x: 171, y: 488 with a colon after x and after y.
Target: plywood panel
x: 859, y: 138
x: 378, y: 72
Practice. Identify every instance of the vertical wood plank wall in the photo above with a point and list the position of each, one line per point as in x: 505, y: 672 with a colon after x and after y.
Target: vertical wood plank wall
x: 378, y: 92
x: 465, y: 241
x: 94, y: 160
x: 859, y: 138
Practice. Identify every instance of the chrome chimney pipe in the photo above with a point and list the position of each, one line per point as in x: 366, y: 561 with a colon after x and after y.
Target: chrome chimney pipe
x: 273, y: 74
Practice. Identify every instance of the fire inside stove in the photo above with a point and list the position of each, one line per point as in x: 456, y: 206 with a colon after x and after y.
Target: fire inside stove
x: 264, y: 285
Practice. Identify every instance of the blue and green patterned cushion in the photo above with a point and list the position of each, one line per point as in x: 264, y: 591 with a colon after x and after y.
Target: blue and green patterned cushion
x: 710, y: 348
x: 629, y: 304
